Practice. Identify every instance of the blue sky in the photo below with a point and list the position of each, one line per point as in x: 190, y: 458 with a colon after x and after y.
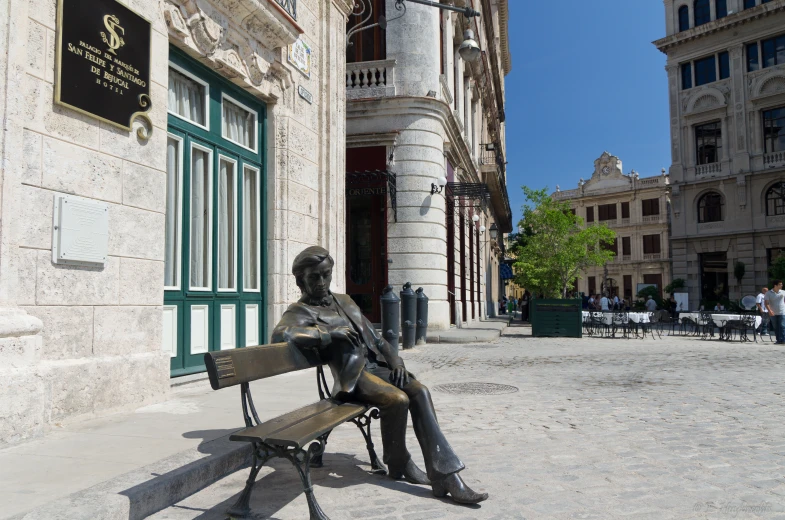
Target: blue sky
x: 585, y: 78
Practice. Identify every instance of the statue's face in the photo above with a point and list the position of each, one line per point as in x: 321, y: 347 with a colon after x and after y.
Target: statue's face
x: 317, y: 279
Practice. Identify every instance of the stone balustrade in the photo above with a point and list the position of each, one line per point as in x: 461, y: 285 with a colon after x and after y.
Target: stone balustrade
x: 706, y: 169
x: 771, y: 160
x: 370, y: 79
x: 652, y: 256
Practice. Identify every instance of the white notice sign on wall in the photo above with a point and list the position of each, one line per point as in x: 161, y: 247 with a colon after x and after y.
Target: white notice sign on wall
x: 299, y: 55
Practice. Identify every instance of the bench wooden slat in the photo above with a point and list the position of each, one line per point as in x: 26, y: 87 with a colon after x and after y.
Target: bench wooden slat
x: 242, y: 365
x: 265, y: 429
x: 298, y: 433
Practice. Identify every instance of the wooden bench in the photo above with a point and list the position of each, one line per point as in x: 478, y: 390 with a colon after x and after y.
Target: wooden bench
x: 286, y: 436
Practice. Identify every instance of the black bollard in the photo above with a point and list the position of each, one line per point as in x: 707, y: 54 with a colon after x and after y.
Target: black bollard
x: 408, y: 315
x: 422, y: 317
x: 391, y: 316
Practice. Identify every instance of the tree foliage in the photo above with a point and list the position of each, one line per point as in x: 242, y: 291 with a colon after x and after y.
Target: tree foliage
x: 558, y: 246
x: 777, y: 269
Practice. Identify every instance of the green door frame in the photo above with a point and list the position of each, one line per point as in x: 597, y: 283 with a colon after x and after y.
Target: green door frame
x: 184, y: 298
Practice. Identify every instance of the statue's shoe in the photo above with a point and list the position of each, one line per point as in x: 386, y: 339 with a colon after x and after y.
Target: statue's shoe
x: 458, y: 490
x: 410, y: 473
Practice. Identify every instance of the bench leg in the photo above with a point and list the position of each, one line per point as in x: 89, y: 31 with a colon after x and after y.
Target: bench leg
x: 316, y: 460
x: 242, y: 508
x: 363, y: 422
x: 303, y: 467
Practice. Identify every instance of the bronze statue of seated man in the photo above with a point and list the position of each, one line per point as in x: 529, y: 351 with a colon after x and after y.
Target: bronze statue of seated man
x: 367, y: 369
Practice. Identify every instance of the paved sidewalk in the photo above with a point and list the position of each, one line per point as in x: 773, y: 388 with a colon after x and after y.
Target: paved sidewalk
x: 676, y: 428
x: 119, y: 452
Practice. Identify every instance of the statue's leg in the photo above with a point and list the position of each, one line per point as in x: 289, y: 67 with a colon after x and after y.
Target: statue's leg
x: 393, y: 405
x: 440, y: 459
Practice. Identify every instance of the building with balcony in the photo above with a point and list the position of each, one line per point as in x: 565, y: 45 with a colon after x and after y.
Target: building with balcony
x: 418, y: 112
x: 128, y: 251
x: 637, y: 210
x: 726, y: 85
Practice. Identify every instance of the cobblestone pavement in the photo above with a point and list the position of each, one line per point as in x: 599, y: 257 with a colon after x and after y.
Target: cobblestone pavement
x: 673, y: 428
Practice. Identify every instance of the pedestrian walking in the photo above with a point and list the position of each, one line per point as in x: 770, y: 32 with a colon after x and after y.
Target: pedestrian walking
x: 760, y: 303
x: 651, y: 305
x: 525, y: 305
x: 775, y: 302
x: 604, y: 303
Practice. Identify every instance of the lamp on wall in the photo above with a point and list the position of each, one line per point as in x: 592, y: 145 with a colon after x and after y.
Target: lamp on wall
x: 442, y: 182
x: 482, y: 230
x: 469, y: 49
x: 494, y: 231
x: 476, y: 218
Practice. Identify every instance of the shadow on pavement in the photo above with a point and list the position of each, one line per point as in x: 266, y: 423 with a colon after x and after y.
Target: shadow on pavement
x: 276, y: 490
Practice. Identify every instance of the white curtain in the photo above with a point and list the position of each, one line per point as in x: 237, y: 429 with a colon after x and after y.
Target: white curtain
x: 186, y: 97
x: 200, y: 219
x: 250, y: 230
x: 226, y: 226
x: 238, y: 124
x: 171, y: 268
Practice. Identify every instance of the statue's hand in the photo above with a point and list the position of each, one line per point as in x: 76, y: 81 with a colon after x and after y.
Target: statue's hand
x: 347, y: 334
x: 399, y: 376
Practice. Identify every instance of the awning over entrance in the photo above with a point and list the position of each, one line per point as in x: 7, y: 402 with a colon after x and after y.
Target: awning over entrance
x: 374, y: 179
x: 506, y: 272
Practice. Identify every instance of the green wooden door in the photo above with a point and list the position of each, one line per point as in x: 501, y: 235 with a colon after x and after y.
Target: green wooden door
x: 214, y: 294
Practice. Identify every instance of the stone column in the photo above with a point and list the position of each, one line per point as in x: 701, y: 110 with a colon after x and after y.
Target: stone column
x: 458, y: 86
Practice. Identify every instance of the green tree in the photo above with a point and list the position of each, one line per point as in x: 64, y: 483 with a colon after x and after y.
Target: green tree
x: 777, y: 269
x: 559, y: 247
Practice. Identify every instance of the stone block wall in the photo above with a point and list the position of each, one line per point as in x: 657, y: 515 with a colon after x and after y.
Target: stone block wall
x: 75, y: 341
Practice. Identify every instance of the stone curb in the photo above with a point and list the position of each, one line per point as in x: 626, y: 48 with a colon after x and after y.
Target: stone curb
x: 145, y: 491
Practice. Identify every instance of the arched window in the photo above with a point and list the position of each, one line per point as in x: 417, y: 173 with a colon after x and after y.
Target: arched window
x: 721, y: 8
x: 710, y: 207
x: 702, y: 12
x: 775, y: 200
x: 684, y: 18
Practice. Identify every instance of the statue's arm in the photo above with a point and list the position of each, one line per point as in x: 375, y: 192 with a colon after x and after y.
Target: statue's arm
x: 300, y: 330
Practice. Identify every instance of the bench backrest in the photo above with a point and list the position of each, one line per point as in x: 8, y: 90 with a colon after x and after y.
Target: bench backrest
x: 242, y: 365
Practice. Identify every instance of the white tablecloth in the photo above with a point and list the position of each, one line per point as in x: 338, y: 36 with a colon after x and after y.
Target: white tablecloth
x: 607, y: 317
x: 720, y: 319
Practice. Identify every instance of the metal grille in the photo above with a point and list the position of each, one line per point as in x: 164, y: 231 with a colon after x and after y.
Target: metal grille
x: 290, y: 6
x: 372, y: 178
x: 475, y: 389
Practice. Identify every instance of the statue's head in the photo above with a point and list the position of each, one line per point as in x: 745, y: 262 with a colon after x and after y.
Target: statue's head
x: 313, y: 270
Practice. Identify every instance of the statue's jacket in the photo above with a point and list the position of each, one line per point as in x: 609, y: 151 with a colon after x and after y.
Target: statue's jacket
x: 303, y: 326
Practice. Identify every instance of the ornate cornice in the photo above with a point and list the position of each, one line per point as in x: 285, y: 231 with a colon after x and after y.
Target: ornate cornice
x: 721, y: 25
x: 246, y: 45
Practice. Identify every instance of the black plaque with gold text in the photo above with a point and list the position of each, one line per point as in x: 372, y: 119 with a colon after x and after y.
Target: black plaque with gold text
x: 103, y: 61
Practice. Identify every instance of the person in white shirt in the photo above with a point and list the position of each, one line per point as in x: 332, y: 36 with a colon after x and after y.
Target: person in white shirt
x: 616, y: 302
x: 775, y: 302
x: 760, y: 303
x: 651, y: 305
x: 591, y: 302
x: 719, y: 307
x: 604, y: 303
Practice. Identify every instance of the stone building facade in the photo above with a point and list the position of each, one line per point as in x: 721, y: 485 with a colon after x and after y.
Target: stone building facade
x: 78, y: 341
x: 726, y: 84
x: 637, y: 210
x: 417, y: 111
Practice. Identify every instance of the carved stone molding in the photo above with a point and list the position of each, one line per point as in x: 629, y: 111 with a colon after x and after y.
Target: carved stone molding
x: 769, y: 83
x: 247, y: 47
x: 703, y: 100
x: 741, y: 191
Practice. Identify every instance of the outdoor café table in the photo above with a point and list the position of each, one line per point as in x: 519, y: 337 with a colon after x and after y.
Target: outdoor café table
x: 638, y: 317
x: 724, y: 319
x: 607, y: 316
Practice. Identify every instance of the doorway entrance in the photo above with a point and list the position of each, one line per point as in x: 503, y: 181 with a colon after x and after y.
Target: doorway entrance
x: 366, y: 248
x: 214, y: 288
x: 714, y: 276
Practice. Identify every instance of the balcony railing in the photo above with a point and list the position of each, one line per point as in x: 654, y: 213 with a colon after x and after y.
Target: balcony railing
x: 366, y: 79
x: 773, y: 159
x: 652, y: 256
x: 706, y: 169
x: 290, y: 6
x: 625, y: 222
x: 626, y: 258
x: 649, y: 219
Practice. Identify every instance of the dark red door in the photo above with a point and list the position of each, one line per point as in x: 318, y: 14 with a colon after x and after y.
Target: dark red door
x: 471, y: 266
x: 462, y: 251
x: 451, y: 255
x: 366, y: 251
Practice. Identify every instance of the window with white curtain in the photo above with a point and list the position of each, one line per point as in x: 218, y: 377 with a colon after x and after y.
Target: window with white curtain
x: 187, y: 97
x: 227, y: 224
x: 201, y: 217
x: 238, y: 123
x: 173, y: 212
x: 251, y: 231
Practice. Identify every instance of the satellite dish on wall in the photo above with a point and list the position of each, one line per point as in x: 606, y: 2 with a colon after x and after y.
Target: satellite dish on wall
x: 748, y: 302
